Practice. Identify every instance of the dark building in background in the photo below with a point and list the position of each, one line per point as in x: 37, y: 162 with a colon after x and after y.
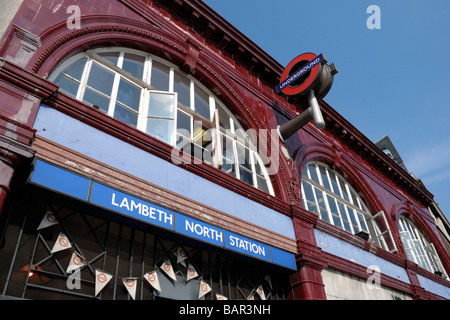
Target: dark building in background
x: 137, y: 145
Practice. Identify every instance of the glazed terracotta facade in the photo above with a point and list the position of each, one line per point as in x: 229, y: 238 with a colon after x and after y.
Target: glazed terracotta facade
x: 202, y: 44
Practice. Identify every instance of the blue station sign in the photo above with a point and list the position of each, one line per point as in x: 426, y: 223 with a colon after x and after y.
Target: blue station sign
x: 82, y: 188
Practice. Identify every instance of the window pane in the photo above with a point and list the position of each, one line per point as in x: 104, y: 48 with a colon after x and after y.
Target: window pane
x: 134, y: 64
x: 224, y: 118
x: 334, y: 211
x: 161, y: 105
x: 67, y: 85
x: 322, y: 206
x: 100, y: 79
x: 112, y: 57
x: 75, y: 70
x: 160, y: 76
x: 262, y: 184
x: 94, y: 98
x: 129, y: 94
x: 313, y: 173
x: 182, y: 86
x: 202, y: 103
x: 243, y: 155
x: 245, y: 175
x: 334, y: 183
x: 161, y: 129
x: 126, y: 115
x: 323, y: 174
x: 344, y: 217
x: 344, y: 190
x: 227, y: 145
x: 228, y: 167
x: 184, y: 124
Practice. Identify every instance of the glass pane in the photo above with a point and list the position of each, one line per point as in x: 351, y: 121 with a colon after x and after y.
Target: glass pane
x: 224, y: 118
x: 161, y: 105
x: 101, y: 79
x: 334, y: 183
x: 129, y: 94
x: 126, y: 115
x: 322, y: 206
x: 344, y: 217
x: 344, y: 190
x: 334, y: 211
x: 182, y: 86
x: 202, y: 103
x: 67, y: 85
x: 228, y: 167
x: 323, y: 174
x: 245, y: 175
x: 243, y: 155
x: 94, y: 98
x: 262, y: 184
x: 160, y: 76
x: 313, y: 173
x: 134, y: 64
x: 75, y: 70
x: 227, y: 145
x: 112, y: 57
x: 184, y: 124
x: 362, y: 221
x: 161, y: 129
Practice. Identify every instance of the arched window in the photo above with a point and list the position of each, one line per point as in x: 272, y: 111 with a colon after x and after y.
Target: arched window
x: 418, y: 249
x: 327, y: 193
x: 156, y: 97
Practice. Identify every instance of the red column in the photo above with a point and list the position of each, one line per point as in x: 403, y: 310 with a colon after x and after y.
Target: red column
x: 13, y: 157
x: 307, y: 282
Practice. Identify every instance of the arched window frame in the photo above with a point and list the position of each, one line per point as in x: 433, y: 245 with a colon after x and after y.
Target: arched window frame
x: 327, y: 193
x: 418, y: 249
x: 251, y: 170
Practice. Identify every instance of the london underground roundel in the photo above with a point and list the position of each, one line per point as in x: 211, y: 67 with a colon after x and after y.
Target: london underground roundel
x: 304, y: 73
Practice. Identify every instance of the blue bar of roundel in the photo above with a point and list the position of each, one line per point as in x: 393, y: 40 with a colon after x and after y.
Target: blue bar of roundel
x: 60, y: 180
x: 247, y: 246
x: 199, y: 230
x: 117, y: 201
x: 283, y: 258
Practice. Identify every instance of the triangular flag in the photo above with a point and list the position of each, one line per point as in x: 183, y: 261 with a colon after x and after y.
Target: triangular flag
x: 76, y: 261
x: 130, y: 284
x: 152, y: 278
x: 220, y: 297
x: 204, y: 289
x: 48, y: 220
x: 261, y: 293
x: 181, y: 256
x: 168, y: 269
x: 252, y: 297
x: 101, y: 280
x: 62, y: 243
x: 191, y: 273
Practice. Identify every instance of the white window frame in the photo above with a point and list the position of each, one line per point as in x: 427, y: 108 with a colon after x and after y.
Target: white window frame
x: 146, y: 89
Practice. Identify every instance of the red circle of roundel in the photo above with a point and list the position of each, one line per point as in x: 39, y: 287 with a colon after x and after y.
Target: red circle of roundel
x: 309, y: 56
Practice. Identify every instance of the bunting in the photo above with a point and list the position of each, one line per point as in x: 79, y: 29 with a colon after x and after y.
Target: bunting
x: 48, y: 220
x: 130, y: 284
x: 204, y: 289
x: 168, y: 269
x: 102, y: 278
x: 191, y: 273
x: 62, y: 243
x: 76, y: 261
x: 152, y: 278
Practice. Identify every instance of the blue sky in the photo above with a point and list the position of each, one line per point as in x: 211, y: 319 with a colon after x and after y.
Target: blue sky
x: 392, y: 81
